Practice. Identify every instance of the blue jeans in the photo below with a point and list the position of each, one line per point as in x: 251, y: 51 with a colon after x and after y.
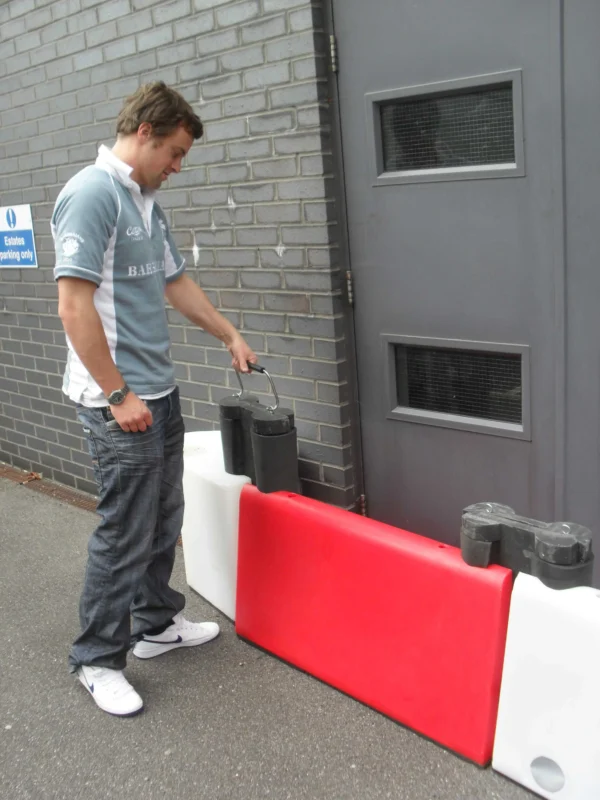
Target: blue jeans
x: 132, y: 551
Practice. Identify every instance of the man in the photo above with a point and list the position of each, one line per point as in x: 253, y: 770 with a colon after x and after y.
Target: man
x: 115, y: 262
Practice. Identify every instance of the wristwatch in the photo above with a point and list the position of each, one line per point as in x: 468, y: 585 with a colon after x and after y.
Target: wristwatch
x: 118, y: 396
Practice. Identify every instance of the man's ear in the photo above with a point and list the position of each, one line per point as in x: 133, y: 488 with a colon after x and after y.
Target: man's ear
x: 144, y: 132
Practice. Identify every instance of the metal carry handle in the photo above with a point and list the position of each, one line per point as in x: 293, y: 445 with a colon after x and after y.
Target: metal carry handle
x: 263, y: 371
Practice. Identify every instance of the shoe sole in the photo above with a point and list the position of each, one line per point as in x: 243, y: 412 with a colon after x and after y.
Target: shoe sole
x: 83, y: 682
x: 159, y: 649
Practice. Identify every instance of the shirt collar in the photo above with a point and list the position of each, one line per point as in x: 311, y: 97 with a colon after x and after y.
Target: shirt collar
x: 111, y: 163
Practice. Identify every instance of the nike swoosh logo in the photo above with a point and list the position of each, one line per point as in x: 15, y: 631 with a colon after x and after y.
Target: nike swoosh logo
x: 178, y: 640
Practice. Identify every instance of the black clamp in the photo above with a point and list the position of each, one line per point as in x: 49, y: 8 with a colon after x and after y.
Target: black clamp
x: 558, y: 553
x: 259, y: 441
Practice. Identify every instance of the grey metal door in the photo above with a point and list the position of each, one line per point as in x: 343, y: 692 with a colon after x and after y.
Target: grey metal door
x: 451, y: 124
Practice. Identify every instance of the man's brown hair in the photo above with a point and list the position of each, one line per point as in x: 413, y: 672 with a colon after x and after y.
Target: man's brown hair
x: 163, y: 107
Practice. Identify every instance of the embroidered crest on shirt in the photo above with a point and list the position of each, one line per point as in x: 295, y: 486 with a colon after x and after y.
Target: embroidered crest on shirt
x: 70, y: 244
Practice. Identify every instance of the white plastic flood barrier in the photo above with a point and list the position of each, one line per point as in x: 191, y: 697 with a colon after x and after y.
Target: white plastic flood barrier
x: 210, y: 522
x: 548, y: 731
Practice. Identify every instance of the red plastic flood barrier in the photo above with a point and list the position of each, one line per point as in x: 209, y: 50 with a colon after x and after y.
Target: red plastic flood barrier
x: 391, y: 618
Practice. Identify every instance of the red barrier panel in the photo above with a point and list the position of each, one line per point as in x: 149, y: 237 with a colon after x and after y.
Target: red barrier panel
x: 393, y: 619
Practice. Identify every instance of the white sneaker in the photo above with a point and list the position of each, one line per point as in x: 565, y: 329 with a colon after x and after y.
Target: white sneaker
x: 180, y: 633
x: 111, y: 690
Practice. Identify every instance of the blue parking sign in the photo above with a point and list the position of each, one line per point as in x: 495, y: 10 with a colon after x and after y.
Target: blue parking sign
x: 17, y: 243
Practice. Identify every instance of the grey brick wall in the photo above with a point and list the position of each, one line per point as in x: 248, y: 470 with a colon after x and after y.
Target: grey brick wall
x: 254, y: 203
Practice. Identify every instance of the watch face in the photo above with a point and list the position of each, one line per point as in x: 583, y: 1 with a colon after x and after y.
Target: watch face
x: 116, y: 397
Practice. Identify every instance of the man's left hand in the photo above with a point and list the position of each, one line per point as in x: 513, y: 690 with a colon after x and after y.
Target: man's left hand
x: 241, y: 353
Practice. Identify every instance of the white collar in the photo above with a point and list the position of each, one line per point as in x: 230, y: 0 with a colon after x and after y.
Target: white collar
x: 111, y: 163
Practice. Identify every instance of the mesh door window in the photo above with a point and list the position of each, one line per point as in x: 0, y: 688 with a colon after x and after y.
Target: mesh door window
x: 460, y: 382
x: 453, y: 130
x: 461, y: 129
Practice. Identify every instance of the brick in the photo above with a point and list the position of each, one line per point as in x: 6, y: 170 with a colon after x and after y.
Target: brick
x: 299, y: 44
x: 155, y: 38
x: 134, y: 23
x: 300, y: 95
x: 27, y: 42
x: 228, y: 173
x: 123, y: 88
x: 242, y: 58
x: 70, y: 45
x: 91, y: 58
x: 204, y: 154
x: 132, y: 66
x: 217, y: 42
x: 278, y: 212
x: 336, y: 456
x: 54, y: 31
x: 289, y: 345
x: 308, y: 281
x: 288, y: 258
x: 261, y: 77
x: 297, y: 143
x: 217, y: 87
x: 256, y: 193
x: 48, y: 89
x: 106, y: 72
x: 113, y: 9
x: 242, y: 300
x: 209, y: 196
x: 305, y: 19
x: 282, y: 301
x: 17, y: 63
x: 270, y: 323
x: 232, y: 129
x: 272, y: 6
x: 260, y: 279
x: 315, y: 165
x: 170, y: 11
x: 97, y: 133
x: 81, y: 22
x: 217, y: 279
x: 120, y: 49
x: 216, y: 238
x: 310, y: 117
x: 306, y: 234
x: 275, y: 168
x: 314, y: 326
x: 38, y: 19
x: 271, y: 123
x: 200, y: 5
x: 247, y: 150
x: 195, y: 26
x: 10, y: 31
x: 264, y: 29
x: 238, y: 13
x: 191, y: 219
x: 101, y: 34
x: 256, y: 236
x: 313, y: 67
x: 302, y: 188
x: 177, y: 54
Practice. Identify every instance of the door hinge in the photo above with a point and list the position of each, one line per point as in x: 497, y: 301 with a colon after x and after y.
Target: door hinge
x: 350, y: 287
x: 361, y: 505
x: 333, y: 56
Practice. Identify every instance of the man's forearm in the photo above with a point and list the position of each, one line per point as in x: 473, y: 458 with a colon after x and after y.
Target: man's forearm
x: 85, y: 331
x: 191, y: 301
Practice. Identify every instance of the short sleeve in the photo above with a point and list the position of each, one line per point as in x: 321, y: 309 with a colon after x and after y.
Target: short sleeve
x: 174, y: 261
x: 83, y: 223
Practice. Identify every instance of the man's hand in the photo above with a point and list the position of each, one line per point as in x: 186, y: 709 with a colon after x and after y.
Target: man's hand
x: 241, y: 353
x: 133, y: 415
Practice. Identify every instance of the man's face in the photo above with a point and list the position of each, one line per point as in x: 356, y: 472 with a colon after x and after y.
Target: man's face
x: 158, y: 158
